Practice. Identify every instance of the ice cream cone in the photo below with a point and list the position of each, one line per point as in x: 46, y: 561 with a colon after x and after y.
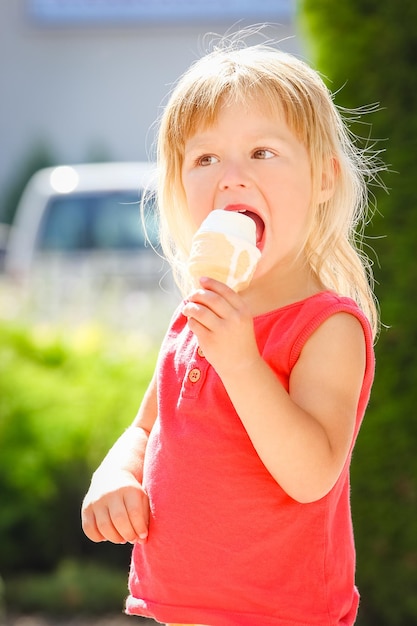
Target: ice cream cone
x: 224, y: 248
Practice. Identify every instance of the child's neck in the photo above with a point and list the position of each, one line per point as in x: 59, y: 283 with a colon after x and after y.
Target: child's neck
x: 276, y: 290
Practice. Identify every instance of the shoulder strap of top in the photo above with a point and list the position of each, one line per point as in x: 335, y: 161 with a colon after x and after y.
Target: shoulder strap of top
x: 317, y: 310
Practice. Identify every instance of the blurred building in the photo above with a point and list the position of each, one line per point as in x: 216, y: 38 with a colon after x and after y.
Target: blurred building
x: 87, y: 78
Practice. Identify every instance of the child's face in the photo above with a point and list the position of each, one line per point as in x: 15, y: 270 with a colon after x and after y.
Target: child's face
x: 250, y: 160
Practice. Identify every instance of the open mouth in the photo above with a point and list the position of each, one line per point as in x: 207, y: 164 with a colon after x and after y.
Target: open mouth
x: 246, y: 210
x: 259, y: 223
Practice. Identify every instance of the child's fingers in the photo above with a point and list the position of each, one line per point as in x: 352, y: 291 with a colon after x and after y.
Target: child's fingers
x: 89, y: 526
x: 215, y: 285
x: 214, y: 298
x: 217, y: 288
x: 119, y: 517
x: 137, y: 507
x: 106, y: 521
x: 127, y: 519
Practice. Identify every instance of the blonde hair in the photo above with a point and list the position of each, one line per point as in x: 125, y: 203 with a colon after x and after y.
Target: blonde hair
x: 282, y: 83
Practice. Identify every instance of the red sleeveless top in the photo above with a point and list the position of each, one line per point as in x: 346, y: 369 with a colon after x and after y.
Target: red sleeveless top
x: 227, y: 546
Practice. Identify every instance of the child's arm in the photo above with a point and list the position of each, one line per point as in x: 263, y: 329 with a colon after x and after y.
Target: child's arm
x: 116, y: 507
x: 303, y: 437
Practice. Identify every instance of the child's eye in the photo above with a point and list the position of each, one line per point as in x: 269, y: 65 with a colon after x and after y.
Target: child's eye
x: 207, y: 159
x: 263, y: 153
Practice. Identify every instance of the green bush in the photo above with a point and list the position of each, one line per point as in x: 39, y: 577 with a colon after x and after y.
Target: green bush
x: 74, y: 588
x: 65, y: 397
x: 367, y: 50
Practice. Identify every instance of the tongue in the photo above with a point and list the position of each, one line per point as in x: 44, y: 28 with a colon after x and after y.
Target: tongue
x: 260, y: 226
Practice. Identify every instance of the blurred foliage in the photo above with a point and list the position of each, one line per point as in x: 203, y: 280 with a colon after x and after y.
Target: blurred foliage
x: 37, y: 157
x: 74, y: 588
x: 367, y: 52
x: 64, y: 399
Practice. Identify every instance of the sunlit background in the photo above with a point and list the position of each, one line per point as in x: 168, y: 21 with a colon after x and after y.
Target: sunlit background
x: 86, y: 81
x: 84, y: 301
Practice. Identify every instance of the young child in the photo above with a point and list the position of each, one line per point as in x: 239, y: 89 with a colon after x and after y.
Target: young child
x: 233, y: 480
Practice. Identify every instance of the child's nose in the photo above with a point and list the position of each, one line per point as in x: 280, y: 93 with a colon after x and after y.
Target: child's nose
x: 234, y: 175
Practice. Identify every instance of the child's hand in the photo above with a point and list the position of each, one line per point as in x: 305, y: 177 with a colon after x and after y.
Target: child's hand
x: 223, y: 324
x: 116, y: 508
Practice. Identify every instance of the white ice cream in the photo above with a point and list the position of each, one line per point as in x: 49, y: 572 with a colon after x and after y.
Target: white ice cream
x: 224, y: 248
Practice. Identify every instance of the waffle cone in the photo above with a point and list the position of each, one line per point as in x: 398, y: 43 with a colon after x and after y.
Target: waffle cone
x: 229, y: 259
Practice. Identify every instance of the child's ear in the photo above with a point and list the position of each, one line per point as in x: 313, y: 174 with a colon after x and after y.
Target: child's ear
x: 328, y: 180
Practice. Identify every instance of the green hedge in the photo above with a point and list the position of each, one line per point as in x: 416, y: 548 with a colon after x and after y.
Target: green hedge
x: 367, y: 50
x: 65, y: 397
x: 73, y: 588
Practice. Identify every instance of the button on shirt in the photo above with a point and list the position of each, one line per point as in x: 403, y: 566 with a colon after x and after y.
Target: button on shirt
x: 194, y: 375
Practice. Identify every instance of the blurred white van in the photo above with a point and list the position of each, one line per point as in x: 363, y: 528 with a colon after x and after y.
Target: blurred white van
x: 86, y: 218
x: 77, y: 250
